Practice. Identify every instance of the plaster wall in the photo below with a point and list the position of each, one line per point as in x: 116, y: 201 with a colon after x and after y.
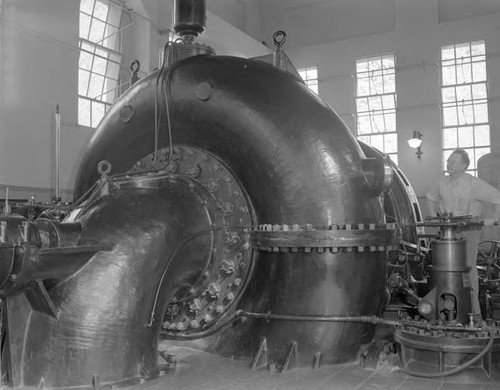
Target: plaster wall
x: 416, y: 41
x: 39, y: 69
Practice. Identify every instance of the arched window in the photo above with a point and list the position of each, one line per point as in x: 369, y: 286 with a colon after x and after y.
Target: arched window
x: 100, y: 59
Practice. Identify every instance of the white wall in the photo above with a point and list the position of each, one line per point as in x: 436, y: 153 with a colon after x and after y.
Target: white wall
x: 39, y: 69
x: 416, y: 40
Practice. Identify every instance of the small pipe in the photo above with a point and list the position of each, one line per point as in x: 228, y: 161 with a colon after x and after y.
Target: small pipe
x: 317, y: 318
x: 6, y: 209
x: 58, y: 152
x: 343, y: 318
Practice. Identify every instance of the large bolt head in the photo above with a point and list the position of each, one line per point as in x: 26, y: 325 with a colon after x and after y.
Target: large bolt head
x: 213, y: 290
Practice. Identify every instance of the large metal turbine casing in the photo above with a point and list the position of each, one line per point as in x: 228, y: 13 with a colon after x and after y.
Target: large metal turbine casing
x: 255, y: 135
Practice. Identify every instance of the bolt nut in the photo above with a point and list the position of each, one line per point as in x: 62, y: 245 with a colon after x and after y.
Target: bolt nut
x: 219, y: 309
x: 237, y: 282
x: 245, y: 246
x: 195, y: 305
x: 227, y: 267
x: 213, y: 290
x: 231, y: 238
x: 194, y: 324
x: 213, y: 186
x: 229, y: 296
x: 227, y: 208
x: 207, y: 318
x: 180, y: 326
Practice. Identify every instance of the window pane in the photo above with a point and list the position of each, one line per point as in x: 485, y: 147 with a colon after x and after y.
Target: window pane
x: 377, y: 141
x: 448, y: 94
x: 465, y: 137
x: 391, y: 143
x: 101, y: 10
x: 85, y: 61
x: 462, y: 50
x: 482, y: 135
x: 464, y: 74
x: 390, y: 121
x: 84, y: 112
x: 83, y: 82
x: 465, y: 115
x: 96, y: 85
x: 378, y: 123
x: 449, y: 75
x: 388, y: 61
x: 97, y: 113
x: 479, y: 71
x: 374, y: 63
x: 312, y: 73
x: 84, y: 25
x: 375, y: 103
x: 448, y: 52
x: 96, y: 30
x: 87, y: 6
x: 450, y: 138
x: 450, y: 116
x: 479, y: 91
x: 481, y: 112
x: 363, y: 87
x: 463, y: 93
x: 362, y: 104
x: 111, y: 37
x: 388, y: 102
x: 364, y: 125
x: 377, y: 85
x: 361, y: 66
x: 114, y: 15
x: 478, y: 48
x: 99, y: 65
x: 389, y: 83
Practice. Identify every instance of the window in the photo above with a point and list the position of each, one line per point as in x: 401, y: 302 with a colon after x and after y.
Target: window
x: 100, y: 59
x: 464, y: 99
x: 310, y: 77
x: 376, y: 103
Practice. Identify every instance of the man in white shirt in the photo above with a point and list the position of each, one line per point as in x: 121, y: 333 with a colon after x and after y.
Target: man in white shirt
x: 462, y: 194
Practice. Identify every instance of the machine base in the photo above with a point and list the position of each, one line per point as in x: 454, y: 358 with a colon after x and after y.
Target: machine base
x: 432, y: 353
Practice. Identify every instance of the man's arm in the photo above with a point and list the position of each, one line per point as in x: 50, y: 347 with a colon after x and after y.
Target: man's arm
x: 433, y: 198
x: 487, y: 193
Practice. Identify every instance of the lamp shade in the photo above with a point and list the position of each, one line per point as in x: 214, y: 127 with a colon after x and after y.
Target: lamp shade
x: 414, y: 143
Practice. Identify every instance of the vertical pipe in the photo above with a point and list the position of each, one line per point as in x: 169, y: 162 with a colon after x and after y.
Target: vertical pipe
x: 6, y: 209
x: 58, y: 152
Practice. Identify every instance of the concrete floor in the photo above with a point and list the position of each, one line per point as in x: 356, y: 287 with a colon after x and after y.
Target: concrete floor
x: 202, y: 370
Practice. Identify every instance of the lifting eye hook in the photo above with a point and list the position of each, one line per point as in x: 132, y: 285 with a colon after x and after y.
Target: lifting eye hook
x: 104, y: 168
x: 279, y: 38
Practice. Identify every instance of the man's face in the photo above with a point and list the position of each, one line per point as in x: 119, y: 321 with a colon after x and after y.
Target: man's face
x: 454, y: 164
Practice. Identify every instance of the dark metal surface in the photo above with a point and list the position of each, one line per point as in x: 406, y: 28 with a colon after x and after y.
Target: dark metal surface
x: 104, y: 312
x: 189, y: 17
x: 354, y: 237
x: 178, y: 230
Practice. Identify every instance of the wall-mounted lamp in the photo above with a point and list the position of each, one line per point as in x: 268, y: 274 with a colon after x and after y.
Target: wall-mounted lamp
x: 415, y: 142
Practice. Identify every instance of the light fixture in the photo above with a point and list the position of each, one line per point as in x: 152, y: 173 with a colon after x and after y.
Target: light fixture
x: 415, y: 142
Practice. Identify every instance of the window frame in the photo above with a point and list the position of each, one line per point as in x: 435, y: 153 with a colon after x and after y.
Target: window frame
x: 377, y: 115
x: 468, y: 132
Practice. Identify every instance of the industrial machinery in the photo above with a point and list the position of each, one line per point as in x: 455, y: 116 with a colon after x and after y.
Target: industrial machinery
x: 221, y: 200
